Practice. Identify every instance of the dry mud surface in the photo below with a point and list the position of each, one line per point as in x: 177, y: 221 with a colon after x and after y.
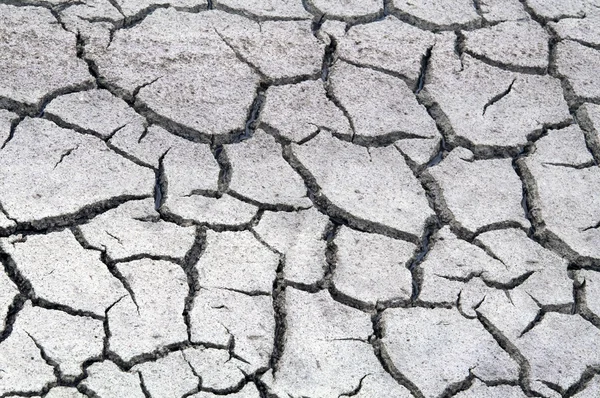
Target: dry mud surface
x: 300, y: 198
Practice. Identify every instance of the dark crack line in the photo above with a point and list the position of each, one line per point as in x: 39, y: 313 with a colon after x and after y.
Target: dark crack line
x: 357, y: 389
x: 64, y: 155
x: 13, y: 126
x: 498, y: 97
x: 161, y: 183
x: 423, y: 73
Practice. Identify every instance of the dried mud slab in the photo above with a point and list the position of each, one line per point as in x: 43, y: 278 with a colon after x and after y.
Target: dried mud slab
x: 34, y: 44
x: 463, y: 347
x: 359, y: 182
x: 430, y: 14
x: 326, y: 350
x: 299, y: 111
x: 42, y: 154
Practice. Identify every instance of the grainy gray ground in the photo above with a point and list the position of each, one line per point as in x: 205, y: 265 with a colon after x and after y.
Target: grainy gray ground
x: 300, y: 198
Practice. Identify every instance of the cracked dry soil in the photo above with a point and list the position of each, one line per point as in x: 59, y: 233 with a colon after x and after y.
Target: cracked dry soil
x: 300, y: 198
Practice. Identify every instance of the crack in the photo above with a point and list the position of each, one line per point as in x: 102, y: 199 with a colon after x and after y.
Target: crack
x: 36, y: 109
x: 580, y: 385
x: 81, y: 216
x: 143, y: 386
x: 355, y: 390
x: 595, y: 226
x: 161, y: 183
x: 241, y: 58
x: 331, y: 97
x: 13, y: 126
x: 168, y: 216
x: 529, y: 201
x: 43, y: 303
x: 411, y: 83
x: 65, y: 154
x: 225, y: 169
x: 382, y: 140
x: 279, y: 309
x: 511, y: 350
x: 195, y: 373
x: 14, y: 308
x: 49, y: 361
x: 250, y: 293
x: 129, y: 157
x: 581, y: 166
x: 459, y: 306
x: 253, y: 115
x: 110, y: 264
x: 385, y: 359
x: 421, y: 252
x: 193, y: 278
x: 267, y: 206
x: 423, y: 73
x: 527, y: 70
x: 329, y: 57
x: 581, y: 307
x: 65, y: 125
x: 459, y: 386
x: 498, y: 97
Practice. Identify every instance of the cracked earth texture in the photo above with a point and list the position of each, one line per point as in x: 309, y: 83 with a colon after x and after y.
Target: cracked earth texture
x: 300, y: 198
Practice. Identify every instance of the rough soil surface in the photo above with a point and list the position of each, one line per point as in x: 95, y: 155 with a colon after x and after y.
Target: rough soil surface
x: 300, y: 198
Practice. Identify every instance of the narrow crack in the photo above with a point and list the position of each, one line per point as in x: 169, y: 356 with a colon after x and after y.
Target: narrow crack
x: 355, y: 390
x: 65, y: 154
x: 511, y: 350
x: 498, y: 97
x: 161, y: 184
x: 13, y: 126
x: 385, y: 359
x: 420, y: 254
x: 279, y: 308
x: 143, y: 385
x: 423, y: 73
x: 110, y: 264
